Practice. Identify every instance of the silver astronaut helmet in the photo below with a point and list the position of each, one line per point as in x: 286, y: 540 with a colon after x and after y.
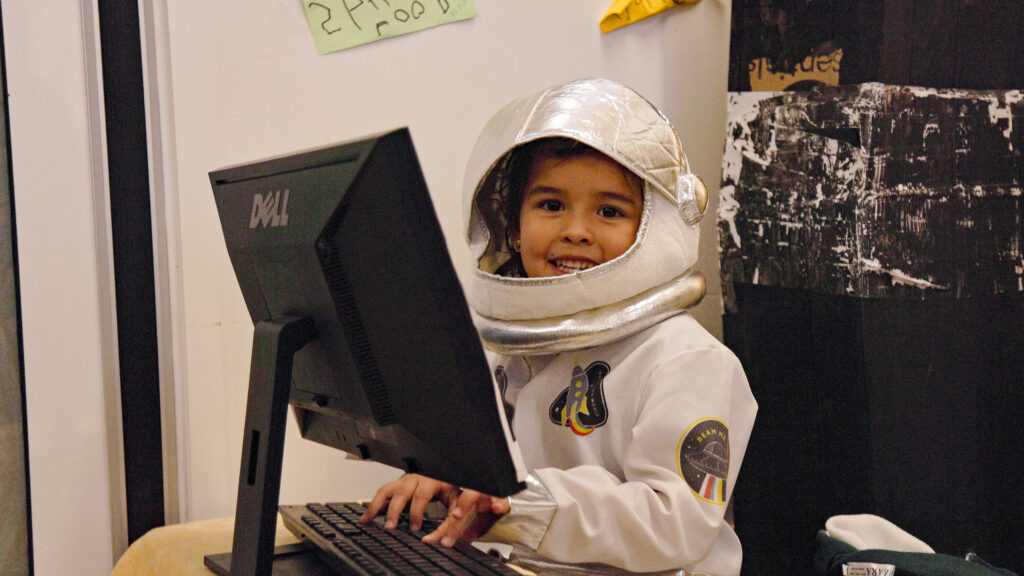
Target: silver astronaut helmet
x: 652, y: 280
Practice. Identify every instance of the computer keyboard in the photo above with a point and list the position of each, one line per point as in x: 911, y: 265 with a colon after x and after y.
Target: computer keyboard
x: 371, y: 550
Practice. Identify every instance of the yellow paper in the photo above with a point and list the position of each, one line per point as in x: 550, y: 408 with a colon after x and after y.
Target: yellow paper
x: 625, y: 12
x: 340, y: 24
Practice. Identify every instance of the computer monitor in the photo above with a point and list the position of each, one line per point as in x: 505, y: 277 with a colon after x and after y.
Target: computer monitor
x: 361, y: 326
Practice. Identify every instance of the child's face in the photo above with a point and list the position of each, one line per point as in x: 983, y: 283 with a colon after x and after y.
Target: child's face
x: 577, y: 212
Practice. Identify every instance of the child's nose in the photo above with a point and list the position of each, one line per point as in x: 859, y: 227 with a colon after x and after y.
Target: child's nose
x: 577, y: 229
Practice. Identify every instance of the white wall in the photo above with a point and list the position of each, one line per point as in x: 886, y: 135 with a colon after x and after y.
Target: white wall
x: 248, y: 83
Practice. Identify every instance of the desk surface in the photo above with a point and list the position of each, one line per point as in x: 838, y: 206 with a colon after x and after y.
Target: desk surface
x: 178, y: 550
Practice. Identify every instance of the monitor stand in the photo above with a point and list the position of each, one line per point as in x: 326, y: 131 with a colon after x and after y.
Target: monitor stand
x: 275, y: 343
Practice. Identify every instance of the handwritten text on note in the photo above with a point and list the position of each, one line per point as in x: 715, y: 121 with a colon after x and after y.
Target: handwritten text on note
x: 340, y: 24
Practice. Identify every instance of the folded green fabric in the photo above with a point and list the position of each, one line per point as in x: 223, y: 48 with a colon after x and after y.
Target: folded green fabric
x: 831, y: 554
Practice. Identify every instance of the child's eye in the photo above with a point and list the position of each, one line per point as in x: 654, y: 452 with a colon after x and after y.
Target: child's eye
x: 550, y: 205
x: 609, y: 212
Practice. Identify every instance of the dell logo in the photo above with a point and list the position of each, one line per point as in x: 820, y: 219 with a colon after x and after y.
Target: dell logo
x: 270, y: 210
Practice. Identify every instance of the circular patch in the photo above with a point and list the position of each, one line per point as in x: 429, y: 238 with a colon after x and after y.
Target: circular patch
x: 702, y: 458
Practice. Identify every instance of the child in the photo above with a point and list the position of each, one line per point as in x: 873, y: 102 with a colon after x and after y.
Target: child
x: 632, y: 419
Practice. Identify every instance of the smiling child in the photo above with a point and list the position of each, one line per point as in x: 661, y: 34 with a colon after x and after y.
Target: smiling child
x: 633, y: 420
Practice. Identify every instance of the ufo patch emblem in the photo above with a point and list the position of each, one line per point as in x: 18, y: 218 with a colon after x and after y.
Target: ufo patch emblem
x: 702, y: 458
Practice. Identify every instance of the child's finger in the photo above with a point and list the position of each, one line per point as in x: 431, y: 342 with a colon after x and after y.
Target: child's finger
x: 424, y: 493
x: 377, y: 504
x: 468, y: 501
x: 398, y: 502
x: 500, y: 506
x: 401, y: 491
x: 437, y: 534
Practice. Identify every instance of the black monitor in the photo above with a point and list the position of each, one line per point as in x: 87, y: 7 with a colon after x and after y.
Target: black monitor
x: 361, y: 326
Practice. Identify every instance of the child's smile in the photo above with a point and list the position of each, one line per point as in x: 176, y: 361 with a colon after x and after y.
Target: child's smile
x: 570, y: 265
x: 577, y: 212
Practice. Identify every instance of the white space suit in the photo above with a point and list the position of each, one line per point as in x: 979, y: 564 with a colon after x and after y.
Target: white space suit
x: 632, y: 419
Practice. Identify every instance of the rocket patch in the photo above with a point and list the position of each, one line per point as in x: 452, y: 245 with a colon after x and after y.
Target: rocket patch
x: 702, y: 459
x: 501, y: 377
x: 581, y: 406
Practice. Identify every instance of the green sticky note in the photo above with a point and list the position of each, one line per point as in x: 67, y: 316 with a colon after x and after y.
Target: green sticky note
x: 340, y: 24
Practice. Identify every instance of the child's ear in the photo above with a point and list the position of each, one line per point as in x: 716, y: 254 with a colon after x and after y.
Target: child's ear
x: 513, y: 238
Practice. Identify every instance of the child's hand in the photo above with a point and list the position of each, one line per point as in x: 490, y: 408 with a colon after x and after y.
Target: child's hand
x: 413, y: 490
x: 472, y: 514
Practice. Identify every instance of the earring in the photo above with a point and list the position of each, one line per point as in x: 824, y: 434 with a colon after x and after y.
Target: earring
x: 516, y: 245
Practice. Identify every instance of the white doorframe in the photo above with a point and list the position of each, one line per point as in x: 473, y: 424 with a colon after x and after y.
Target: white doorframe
x: 60, y: 182
x: 58, y: 167
x: 166, y: 254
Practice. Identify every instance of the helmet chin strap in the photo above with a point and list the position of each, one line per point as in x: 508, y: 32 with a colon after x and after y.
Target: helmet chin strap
x: 593, y: 327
